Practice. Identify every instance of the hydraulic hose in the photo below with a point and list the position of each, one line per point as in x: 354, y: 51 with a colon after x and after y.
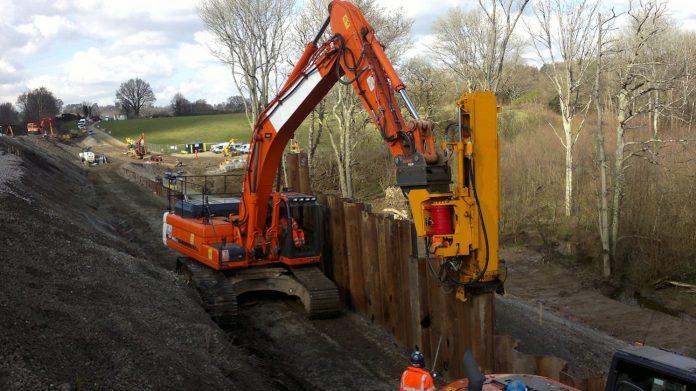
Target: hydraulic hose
x: 472, y: 180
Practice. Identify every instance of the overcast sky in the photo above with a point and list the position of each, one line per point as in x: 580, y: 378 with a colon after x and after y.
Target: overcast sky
x: 83, y: 49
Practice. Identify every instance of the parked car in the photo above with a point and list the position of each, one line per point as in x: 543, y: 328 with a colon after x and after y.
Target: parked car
x: 243, y: 148
x: 219, y: 148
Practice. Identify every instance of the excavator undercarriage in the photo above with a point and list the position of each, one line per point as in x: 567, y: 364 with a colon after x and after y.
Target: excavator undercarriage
x: 219, y: 290
x: 199, y: 213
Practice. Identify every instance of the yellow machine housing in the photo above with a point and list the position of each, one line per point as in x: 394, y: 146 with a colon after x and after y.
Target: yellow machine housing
x: 475, y: 151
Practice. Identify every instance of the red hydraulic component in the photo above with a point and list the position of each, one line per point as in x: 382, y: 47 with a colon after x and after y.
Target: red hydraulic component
x: 440, y: 222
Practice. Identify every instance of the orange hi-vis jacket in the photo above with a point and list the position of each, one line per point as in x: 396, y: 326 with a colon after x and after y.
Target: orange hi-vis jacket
x: 416, y: 379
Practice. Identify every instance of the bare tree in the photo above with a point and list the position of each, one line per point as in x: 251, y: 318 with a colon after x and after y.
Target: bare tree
x: 8, y: 114
x: 633, y: 87
x: 340, y: 114
x: 252, y: 37
x: 603, y: 26
x: 133, y: 95
x: 89, y: 109
x: 308, y: 24
x: 476, y: 44
x: 348, y: 119
x: 38, y: 103
x: 342, y: 134
x: 427, y: 85
x: 669, y: 55
x: 564, y: 43
x: 684, y: 107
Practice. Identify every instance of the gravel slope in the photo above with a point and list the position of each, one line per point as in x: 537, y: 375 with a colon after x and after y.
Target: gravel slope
x: 79, y: 312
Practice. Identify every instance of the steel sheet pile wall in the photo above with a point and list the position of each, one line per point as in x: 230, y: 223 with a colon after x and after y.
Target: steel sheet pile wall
x: 372, y: 259
x: 153, y: 185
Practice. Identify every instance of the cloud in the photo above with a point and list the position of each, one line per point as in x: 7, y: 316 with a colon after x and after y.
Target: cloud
x: 84, y: 49
x: 8, y: 73
x: 95, y: 65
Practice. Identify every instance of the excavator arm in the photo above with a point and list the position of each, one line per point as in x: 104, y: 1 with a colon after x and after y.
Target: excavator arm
x: 353, y: 55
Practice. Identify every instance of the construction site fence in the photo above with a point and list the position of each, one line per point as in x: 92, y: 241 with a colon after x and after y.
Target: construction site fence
x: 374, y: 260
x: 152, y: 184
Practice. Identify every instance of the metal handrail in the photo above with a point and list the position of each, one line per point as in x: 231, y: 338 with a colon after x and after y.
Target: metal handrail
x: 185, y: 187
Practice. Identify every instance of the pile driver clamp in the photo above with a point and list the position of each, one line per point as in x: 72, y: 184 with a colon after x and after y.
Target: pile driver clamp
x: 268, y: 235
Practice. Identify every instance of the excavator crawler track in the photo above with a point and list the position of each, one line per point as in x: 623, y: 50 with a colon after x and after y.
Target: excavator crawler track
x: 323, y: 300
x: 219, y: 290
x: 218, y: 296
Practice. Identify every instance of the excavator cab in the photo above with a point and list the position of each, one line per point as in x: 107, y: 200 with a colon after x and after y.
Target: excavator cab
x: 300, y: 223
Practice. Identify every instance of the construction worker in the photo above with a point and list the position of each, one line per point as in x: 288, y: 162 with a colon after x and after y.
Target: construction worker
x: 416, y: 377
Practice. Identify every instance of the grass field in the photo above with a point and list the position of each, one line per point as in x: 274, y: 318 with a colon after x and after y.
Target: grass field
x: 182, y: 130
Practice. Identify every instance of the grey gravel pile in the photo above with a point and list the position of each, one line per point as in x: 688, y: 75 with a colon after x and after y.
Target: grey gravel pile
x: 76, y: 311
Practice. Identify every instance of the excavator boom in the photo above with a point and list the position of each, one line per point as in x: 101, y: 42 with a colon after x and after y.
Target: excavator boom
x: 354, y: 56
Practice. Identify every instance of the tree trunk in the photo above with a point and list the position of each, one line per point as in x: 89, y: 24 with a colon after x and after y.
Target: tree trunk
x: 342, y: 179
x: 602, y: 199
x: 654, y: 113
x: 316, y: 130
x: 348, y: 147
x: 618, y: 180
x: 343, y: 112
x: 568, y: 130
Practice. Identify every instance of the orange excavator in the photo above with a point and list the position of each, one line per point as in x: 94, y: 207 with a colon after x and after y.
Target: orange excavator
x: 138, y: 147
x: 45, y: 125
x: 272, y: 240
x: 33, y: 128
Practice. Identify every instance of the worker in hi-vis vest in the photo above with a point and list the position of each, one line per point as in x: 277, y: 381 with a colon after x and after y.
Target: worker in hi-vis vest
x: 416, y: 377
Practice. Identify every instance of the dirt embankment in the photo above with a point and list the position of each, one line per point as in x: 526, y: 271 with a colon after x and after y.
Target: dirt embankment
x: 88, y: 298
x: 79, y: 308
